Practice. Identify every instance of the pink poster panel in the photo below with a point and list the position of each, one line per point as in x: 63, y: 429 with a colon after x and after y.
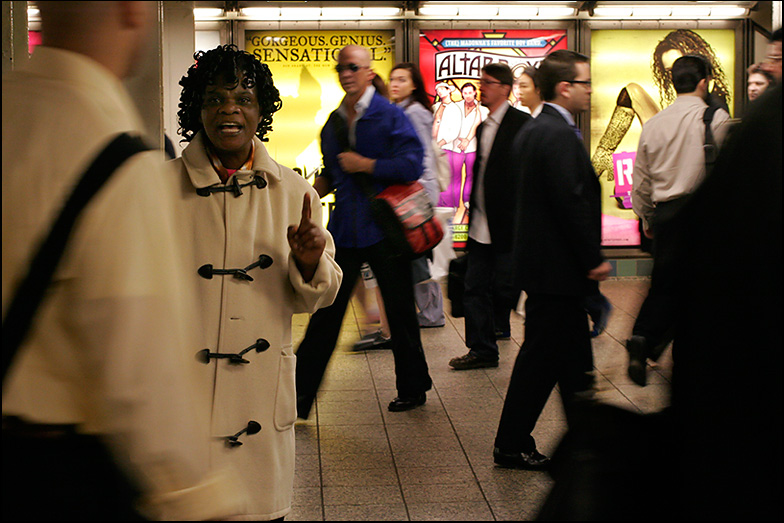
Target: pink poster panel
x: 451, y: 62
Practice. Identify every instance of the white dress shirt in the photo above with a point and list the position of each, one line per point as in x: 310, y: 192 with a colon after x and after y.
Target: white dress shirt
x: 670, y: 159
x: 359, y: 108
x: 478, y: 229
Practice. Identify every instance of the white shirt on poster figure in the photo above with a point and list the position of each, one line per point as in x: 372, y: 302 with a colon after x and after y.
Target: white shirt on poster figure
x: 447, y: 118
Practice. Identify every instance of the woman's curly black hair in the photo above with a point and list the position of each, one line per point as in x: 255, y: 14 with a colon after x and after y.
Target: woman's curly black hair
x: 233, y: 64
x: 686, y: 42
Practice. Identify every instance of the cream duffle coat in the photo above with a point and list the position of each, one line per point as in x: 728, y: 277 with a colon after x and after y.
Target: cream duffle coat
x: 231, y: 230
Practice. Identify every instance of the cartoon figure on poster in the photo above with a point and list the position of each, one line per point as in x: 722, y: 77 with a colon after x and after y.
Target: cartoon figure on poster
x: 451, y: 62
x: 633, y: 101
x: 456, y: 134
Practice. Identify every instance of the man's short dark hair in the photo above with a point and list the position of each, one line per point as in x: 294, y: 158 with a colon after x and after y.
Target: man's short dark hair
x: 500, y: 72
x: 776, y: 36
x: 687, y: 71
x: 234, y: 65
x: 557, y: 67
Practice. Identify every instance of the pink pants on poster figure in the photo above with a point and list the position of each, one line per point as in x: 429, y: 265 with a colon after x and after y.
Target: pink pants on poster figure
x: 452, y: 196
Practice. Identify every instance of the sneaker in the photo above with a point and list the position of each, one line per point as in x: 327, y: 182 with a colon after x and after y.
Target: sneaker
x: 521, y: 460
x: 470, y: 361
x: 373, y: 341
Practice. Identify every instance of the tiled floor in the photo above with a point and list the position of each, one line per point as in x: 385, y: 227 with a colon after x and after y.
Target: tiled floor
x: 358, y: 461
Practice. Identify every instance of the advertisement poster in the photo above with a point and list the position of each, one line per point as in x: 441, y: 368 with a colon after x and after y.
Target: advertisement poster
x: 451, y: 62
x: 303, y: 70
x: 629, y: 69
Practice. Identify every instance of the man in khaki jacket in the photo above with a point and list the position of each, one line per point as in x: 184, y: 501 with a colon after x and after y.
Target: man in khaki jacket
x: 99, y: 398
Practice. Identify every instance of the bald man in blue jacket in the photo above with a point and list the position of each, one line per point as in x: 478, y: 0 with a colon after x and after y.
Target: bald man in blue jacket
x: 367, y: 144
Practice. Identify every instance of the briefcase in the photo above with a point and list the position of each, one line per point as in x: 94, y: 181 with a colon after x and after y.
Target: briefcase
x: 455, y: 285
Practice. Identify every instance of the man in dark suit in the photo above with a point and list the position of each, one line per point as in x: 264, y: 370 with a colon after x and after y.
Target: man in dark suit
x: 491, y: 210
x: 557, y: 258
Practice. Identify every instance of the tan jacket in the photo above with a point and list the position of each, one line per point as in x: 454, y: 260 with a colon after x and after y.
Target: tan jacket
x: 230, y: 232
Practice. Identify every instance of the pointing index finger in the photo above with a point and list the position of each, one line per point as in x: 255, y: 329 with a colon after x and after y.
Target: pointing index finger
x: 306, y: 211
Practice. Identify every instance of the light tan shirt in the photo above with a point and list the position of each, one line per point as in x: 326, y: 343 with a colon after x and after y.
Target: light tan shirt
x: 107, y: 349
x: 670, y: 159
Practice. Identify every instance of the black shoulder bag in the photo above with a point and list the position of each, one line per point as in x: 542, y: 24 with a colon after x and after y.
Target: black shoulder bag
x: 30, y: 292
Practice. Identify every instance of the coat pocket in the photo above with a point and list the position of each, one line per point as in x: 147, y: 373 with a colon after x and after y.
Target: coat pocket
x: 286, y: 394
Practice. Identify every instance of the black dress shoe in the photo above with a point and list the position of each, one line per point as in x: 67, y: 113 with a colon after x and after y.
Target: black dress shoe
x: 520, y: 460
x: 373, y: 341
x: 400, y: 404
x: 638, y: 355
x: 503, y: 335
x: 304, y: 403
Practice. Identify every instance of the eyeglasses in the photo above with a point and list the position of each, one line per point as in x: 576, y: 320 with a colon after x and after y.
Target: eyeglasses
x: 584, y: 82
x: 351, y: 67
x: 489, y: 82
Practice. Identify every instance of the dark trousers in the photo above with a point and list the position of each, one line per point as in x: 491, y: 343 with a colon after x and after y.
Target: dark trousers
x: 657, y: 316
x: 393, y: 275
x: 64, y: 478
x: 484, y: 308
x: 557, y: 349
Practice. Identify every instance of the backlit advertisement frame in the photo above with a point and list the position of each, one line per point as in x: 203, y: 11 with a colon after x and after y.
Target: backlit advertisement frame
x: 302, y: 63
x: 629, y: 86
x: 451, y: 61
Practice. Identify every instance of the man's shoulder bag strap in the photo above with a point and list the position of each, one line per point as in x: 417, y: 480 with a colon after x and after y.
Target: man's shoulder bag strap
x: 30, y: 293
x: 711, y: 149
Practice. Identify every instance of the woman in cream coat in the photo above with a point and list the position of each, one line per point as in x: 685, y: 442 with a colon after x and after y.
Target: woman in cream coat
x: 260, y: 254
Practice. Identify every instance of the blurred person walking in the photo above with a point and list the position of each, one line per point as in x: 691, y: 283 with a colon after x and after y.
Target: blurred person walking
x: 758, y: 80
x: 557, y: 259
x: 671, y: 163
x: 99, y: 417
x: 727, y: 365
x: 366, y: 142
x: 407, y: 90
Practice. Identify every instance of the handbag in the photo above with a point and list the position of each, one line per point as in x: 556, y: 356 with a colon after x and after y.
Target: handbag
x: 455, y: 285
x: 406, y: 215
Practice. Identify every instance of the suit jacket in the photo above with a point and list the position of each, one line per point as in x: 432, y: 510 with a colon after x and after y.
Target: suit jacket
x: 499, y: 179
x: 558, y: 224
